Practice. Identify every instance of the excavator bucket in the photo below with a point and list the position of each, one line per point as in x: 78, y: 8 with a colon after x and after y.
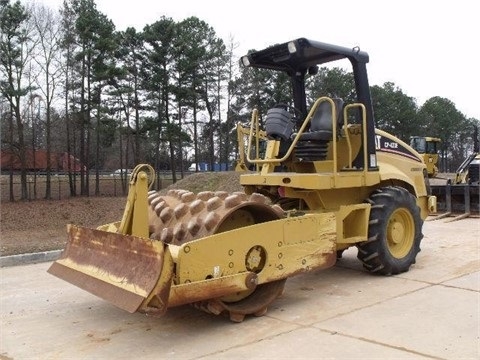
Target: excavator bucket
x: 122, y: 269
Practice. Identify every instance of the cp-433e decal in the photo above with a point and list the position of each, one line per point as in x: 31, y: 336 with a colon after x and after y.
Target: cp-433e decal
x: 385, y: 144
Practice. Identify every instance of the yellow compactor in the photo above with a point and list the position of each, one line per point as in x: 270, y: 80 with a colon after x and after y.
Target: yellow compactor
x: 328, y: 180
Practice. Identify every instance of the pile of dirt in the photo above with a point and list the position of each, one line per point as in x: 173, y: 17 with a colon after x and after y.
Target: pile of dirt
x: 228, y: 181
x: 40, y: 225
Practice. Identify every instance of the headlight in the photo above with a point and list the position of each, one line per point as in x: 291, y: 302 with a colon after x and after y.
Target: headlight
x: 245, y: 61
x: 291, y: 47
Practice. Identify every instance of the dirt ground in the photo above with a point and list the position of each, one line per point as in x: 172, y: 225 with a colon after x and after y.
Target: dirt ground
x: 40, y: 225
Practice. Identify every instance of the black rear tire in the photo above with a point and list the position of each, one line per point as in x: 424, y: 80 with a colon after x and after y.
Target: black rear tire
x: 394, y: 232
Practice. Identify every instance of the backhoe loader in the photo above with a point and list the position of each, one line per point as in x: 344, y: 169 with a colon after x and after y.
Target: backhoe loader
x: 328, y: 180
x: 459, y: 197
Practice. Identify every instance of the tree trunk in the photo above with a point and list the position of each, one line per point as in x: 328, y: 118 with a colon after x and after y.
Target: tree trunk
x: 21, y: 153
x: 48, y: 190
x: 83, y: 121
x: 10, y: 136
x: 97, y: 152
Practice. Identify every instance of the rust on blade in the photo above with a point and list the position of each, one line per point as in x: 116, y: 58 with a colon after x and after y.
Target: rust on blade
x: 212, y: 288
x: 121, y: 269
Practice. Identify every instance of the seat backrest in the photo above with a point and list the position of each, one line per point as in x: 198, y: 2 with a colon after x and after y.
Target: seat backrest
x: 322, y: 119
x: 321, y: 123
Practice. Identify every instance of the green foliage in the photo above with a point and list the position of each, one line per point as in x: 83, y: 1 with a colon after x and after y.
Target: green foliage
x: 174, y: 131
x: 107, y: 131
x: 395, y: 112
x: 262, y: 89
x: 333, y: 82
x: 13, y: 35
x: 440, y: 118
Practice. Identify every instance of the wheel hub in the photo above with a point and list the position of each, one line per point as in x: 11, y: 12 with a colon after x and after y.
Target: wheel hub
x: 397, y: 231
x: 400, y: 233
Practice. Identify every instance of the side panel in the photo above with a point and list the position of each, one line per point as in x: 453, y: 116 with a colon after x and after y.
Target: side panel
x: 273, y: 250
x: 352, y: 223
x: 400, y: 162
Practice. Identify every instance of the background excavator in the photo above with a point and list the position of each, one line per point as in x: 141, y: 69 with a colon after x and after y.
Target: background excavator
x: 459, y: 197
x: 327, y: 181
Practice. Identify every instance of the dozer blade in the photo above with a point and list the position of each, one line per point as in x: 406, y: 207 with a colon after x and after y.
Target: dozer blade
x: 121, y: 269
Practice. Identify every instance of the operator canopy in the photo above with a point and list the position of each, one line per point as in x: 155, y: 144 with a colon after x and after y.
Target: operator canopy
x: 300, y: 55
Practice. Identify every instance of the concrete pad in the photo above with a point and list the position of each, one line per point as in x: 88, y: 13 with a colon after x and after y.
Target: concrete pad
x: 321, y: 295
x: 468, y: 282
x: 449, y: 250
x: 309, y: 343
x: 344, y: 312
x: 44, y: 317
x: 436, y: 321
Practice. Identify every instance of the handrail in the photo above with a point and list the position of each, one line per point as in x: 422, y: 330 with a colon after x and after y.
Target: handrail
x: 364, y: 131
x: 347, y: 136
x: 254, y: 122
x: 241, y: 133
x: 297, y: 137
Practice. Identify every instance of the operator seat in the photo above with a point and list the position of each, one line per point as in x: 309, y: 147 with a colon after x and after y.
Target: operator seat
x: 313, y: 144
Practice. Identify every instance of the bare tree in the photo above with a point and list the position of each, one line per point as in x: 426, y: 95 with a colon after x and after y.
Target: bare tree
x: 229, y: 124
x: 67, y: 47
x: 47, y: 25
